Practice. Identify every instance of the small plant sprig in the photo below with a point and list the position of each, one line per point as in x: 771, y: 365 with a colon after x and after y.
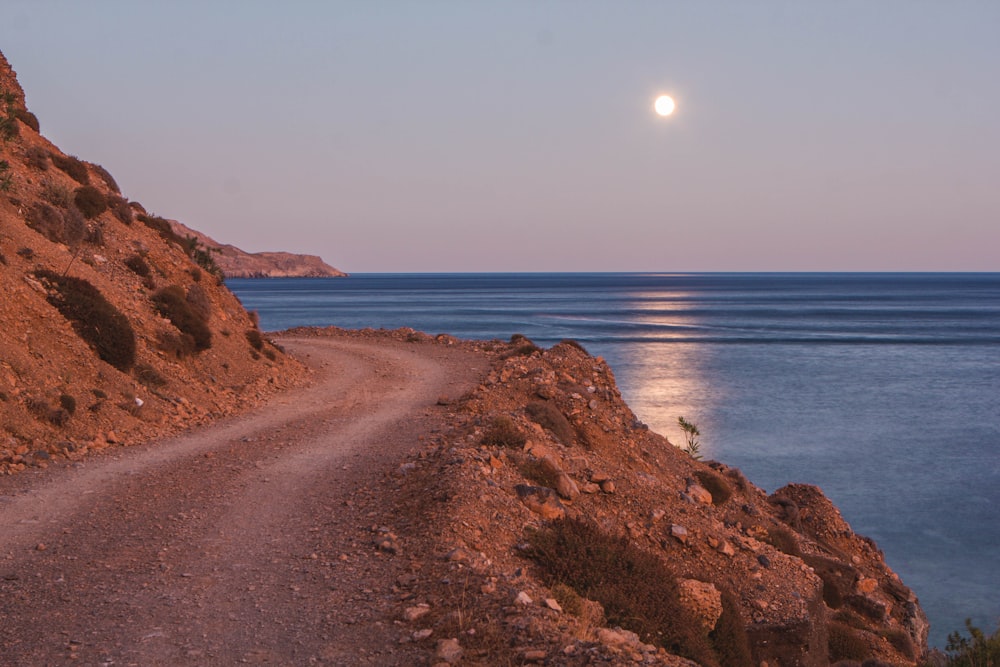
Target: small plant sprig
x: 691, y: 434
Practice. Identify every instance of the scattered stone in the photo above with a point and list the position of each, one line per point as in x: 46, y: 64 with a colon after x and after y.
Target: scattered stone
x: 413, y: 613
x: 443, y: 400
x: 590, y: 488
x: 679, y: 533
x: 703, y: 600
x: 541, y: 500
x: 524, y: 599
x: 460, y: 555
x: 448, y: 650
x: 608, y: 486
x: 699, y: 494
x: 422, y: 634
x: 535, y: 655
x: 764, y: 560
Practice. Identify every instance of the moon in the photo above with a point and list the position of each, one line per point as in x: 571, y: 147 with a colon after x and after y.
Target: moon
x: 664, y: 105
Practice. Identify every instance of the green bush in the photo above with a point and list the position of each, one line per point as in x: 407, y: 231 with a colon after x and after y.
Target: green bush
x: 503, y: 432
x: 90, y: 201
x: 637, y: 589
x: 976, y: 650
x: 95, y: 320
x: 171, y: 302
x: 72, y: 166
x: 547, y: 415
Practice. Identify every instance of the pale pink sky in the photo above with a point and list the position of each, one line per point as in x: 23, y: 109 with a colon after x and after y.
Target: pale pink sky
x: 448, y: 136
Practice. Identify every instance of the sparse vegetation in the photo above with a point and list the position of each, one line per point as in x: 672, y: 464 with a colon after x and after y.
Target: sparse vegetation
x: 846, y: 643
x: 95, y: 320
x: 691, y: 434
x: 149, y: 376
x: 37, y: 158
x: 6, y: 180
x: 636, y: 588
x: 90, y: 201
x: 574, y: 343
x: 74, y: 167
x: 122, y: 209
x: 161, y: 226
x: 8, y: 117
x: 106, y: 176
x: 57, y: 194
x: 976, y: 650
x: 171, y: 302
x: 716, y: 485
x: 197, y: 299
x: 68, y: 403
x: 503, y: 432
x: 138, y: 265
x: 255, y: 339
x: 66, y: 226
x: 28, y: 118
x: 547, y: 415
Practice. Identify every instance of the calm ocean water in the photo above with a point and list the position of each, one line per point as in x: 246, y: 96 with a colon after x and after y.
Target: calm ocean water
x: 883, y: 389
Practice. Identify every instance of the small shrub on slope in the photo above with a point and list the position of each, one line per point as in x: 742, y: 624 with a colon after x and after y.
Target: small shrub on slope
x: 637, y: 590
x: 503, y: 432
x: 90, y: 201
x: 95, y: 320
x: 171, y: 302
x: 547, y: 415
x: 72, y: 166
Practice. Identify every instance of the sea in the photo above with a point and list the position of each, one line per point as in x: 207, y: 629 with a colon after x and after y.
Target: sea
x: 882, y: 389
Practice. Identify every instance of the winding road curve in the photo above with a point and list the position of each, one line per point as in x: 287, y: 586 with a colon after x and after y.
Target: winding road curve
x: 230, y: 544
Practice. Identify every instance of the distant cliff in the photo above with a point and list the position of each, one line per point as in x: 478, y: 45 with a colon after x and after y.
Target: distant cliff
x: 236, y: 263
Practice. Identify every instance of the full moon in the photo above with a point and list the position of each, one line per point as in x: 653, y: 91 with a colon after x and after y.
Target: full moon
x: 664, y: 105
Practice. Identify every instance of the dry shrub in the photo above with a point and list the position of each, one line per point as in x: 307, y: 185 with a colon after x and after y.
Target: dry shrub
x: 716, y: 485
x: 503, y: 432
x: 575, y: 344
x: 72, y: 166
x: 37, y: 158
x: 95, y: 320
x: 121, y: 209
x: 90, y: 201
x: 902, y: 642
x: 637, y: 589
x: 175, y: 344
x: 161, y: 226
x: 28, y: 118
x: 57, y: 194
x: 149, y: 376
x: 846, y: 643
x: 138, y: 265
x: 547, y: 415
x: 106, y: 177
x: 68, y: 403
x: 198, y: 300
x: 838, y: 578
x: 255, y: 339
x: 171, y: 302
x: 269, y: 353
x: 46, y: 220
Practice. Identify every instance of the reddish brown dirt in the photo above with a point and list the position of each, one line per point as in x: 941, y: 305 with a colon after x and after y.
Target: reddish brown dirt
x: 234, y: 543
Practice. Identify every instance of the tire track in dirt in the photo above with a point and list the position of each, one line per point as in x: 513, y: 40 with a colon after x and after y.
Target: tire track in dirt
x: 232, y: 543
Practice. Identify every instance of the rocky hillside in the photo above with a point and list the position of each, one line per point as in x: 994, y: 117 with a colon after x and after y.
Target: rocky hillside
x: 236, y: 263
x: 547, y: 525
x: 112, y: 327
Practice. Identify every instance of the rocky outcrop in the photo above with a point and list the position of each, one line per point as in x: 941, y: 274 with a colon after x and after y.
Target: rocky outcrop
x: 236, y: 263
x: 783, y: 576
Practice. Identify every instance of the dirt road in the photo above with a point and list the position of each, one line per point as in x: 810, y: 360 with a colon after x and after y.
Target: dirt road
x: 235, y: 543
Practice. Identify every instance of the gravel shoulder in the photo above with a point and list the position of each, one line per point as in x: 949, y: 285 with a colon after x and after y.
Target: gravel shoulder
x: 234, y: 543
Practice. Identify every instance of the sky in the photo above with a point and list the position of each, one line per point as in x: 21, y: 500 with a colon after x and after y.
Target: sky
x: 520, y: 136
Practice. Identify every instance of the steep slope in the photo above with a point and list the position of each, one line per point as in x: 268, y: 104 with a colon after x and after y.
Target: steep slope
x: 112, y: 328
x: 236, y: 263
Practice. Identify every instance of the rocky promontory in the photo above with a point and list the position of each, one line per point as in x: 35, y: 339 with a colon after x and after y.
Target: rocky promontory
x: 237, y: 263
